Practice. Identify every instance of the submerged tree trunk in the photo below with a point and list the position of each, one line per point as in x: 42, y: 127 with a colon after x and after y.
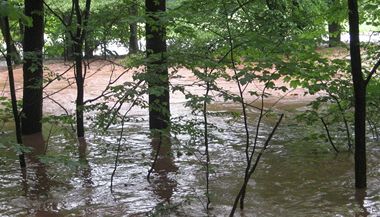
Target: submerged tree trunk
x: 33, y: 76
x: 7, y: 38
x: 158, y: 80
x: 133, y: 40
x: 360, y: 97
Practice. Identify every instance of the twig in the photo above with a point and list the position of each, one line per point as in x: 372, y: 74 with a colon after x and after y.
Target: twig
x: 62, y: 107
x: 372, y: 72
x: 328, y: 135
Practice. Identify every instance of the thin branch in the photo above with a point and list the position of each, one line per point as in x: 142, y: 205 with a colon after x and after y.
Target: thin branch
x: 328, y: 135
x: 109, y: 85
x: 118, y: 151
x: 55, y: 14
x: 372, y: 72
x: 58, y: 76
x: 62, y: 107
x: 255, y: 165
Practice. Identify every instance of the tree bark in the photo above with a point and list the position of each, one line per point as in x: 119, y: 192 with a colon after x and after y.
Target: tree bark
x: 360, y: 97
x: 133, y: 40
x: 79, y: 38
x: 31, y: 117
x: 158, y: 78
x: 7, y: 37
x: 32, y: 68
x: 79, y: 77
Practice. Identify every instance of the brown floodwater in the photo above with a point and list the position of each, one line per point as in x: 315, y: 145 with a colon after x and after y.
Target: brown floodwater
x: 295, y: 177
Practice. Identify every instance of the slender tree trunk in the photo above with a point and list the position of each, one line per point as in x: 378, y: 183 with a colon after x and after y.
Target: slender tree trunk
x: 334, y: 28
x: 133, y: 40
x: 88, y: 49
x: 33, y: 76
x: 80, y: 75
x: 67, y: 40
x: 104, y: 46
x: 8, y: 42
x: 360, y: 97
x: 21, y: 29
x: 158, y: 81
x: 5, y: 30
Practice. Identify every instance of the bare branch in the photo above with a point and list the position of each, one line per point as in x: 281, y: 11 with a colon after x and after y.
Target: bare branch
x: 372, y: 72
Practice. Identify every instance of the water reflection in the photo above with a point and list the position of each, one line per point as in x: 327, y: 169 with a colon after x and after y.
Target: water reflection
x: 163, y: 185
x: 360, y: 196
x: 36, y: 187
x: 82, y: 147
x: 292, y: 180
x: 85, y: 173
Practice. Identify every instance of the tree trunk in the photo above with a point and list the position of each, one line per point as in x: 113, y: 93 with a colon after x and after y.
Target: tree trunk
x: 79, y: 77
x: 21, y: 29
x: 7, y: 37
x: 133, y: 40
x: 68, y: 49
x: 33, y: 76
x: 158, y: 81
x: 79, y: 38
x: 334, y: 34
x: 360, y: 97
x: 88, y: 49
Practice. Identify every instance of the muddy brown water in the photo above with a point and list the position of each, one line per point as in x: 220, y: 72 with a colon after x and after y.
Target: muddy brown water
x: 294, y: 178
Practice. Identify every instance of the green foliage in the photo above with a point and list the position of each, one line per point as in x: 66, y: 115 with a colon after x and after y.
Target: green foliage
x: 371, y: 11
x: 13, y: 11
x: 6, y: 112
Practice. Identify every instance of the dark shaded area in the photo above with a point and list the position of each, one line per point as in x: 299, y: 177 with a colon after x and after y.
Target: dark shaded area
x: 163, y: 185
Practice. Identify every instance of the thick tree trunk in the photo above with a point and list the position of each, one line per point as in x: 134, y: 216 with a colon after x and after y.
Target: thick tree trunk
x: 133, y: 40
x: 360, y: 97
x: 334, y: 34
x: 8, y: 42
x: 33, y: 75
x: 158, y: 81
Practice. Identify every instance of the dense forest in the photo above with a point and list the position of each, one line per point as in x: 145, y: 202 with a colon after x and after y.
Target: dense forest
x: 190, y: 108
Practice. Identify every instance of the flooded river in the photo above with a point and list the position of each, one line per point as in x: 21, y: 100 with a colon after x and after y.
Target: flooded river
x: 295, y: 177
